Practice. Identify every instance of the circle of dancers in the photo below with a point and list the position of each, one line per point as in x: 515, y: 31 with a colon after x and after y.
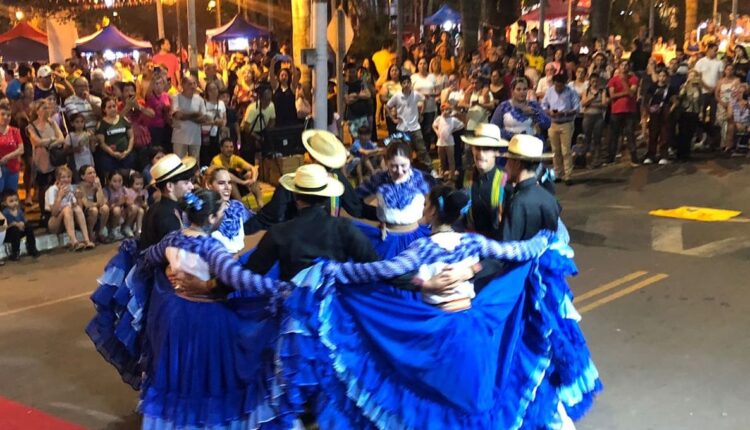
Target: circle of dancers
x: 433, y: 308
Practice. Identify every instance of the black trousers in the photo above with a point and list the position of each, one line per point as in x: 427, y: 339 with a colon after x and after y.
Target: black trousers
x: 687, y: 125
x: 14, y: 235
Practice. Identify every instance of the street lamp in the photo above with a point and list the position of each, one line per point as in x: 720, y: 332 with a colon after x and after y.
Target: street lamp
x: 19, y: 14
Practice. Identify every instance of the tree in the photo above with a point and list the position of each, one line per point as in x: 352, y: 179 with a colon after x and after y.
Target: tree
x: 600, y: 10
x: 691, y: 15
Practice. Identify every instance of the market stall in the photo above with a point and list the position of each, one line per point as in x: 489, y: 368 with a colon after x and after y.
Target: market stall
x: 237, y: 33
x: 24, y: 43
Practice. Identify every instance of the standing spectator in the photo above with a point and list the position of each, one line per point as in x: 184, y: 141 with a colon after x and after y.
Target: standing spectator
x: 160, y: 103
x: 692, y: 47
x: 50, y: 84
x: 139, y: 116
x: 167, y: 59
x: 622, y: 90
x: 90, y: 194
x: 639, y: 58
x: 80, y: 142
x: 210, y: 74
x: 689, y: 114
x: 214, y: 129
x: 452, y: 94
x: 710, y: 69
x: 726, y: 88
x: 594, y: 103
x: 545, y: 82
x: 534, y: 57
x: 115, y: 138
x: 283, y: 96
x: 21, y: 111
x: 44, y: 134
x: 497, y: 88
x: 303, y: 101
x: 259, y: 117
x: 659, y: 98
x: 741, y: 63
x: 423, y: 82
x: 388, y: 89
x: 357, y: 98
x: 84, y: 103
x: 65, y: 211
x: 405, y: 109
x: 579, y: 85
x: 17, y: 227
x: 11, y: 151
x: 188, y: 114
x: 599, y: 65
x: 562, y: 105
x: 445, y: 126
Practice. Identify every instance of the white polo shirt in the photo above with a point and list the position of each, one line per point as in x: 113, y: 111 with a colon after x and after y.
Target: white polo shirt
x: 407, y: 108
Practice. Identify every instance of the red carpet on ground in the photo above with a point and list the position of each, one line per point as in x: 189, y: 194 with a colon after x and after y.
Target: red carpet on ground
x: 15, y: 416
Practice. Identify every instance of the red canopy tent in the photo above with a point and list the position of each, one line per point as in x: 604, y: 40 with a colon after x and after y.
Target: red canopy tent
x: 24, y: 43
x: 557, y: 9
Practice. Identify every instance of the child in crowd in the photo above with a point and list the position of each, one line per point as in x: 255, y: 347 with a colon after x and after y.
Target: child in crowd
x: 80, y: 142
x: 740, y: 126
x: 120, y: 220
x: 65, y: 210
x: 445, y: 125
x: 137, y: 200
x: 90, y: 194
x: 364, y: 152
x: 155, y: 154
x: 17, y: 227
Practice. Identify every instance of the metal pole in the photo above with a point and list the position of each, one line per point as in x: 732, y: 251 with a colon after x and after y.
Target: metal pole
x: 160, y: 19
x: 179, y: 29
x: 734, y: 17
x: 716, y: 11
x: 399, y: 31
x: 570, y: 23
x: 218, y: 13
x: 542, y: 7
x: 340, y: 53
x: 320, y: 24
x: 651, y: 19
x: 192, y: 36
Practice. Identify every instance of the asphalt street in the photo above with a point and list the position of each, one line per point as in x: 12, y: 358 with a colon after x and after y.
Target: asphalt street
x: 664, y: 306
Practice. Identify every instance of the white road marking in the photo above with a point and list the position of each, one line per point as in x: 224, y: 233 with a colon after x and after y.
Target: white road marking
x: 98, y: 415
x: 43, y: 304
x: 666, y: 236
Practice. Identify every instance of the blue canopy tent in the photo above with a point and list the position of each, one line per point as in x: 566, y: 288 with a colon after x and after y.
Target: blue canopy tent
x: 110, y: 38
x: 237, y: 28
x: 443, y: 15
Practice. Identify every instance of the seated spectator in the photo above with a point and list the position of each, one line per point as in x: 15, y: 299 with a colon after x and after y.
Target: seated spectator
x: 739, y: 127
x: 364, y: 152
x: 244, y: 175
x: 17, y: 227
x: 65, y: 210
x: 3, y: 228
x: 137, y: 200
x: 259, y: 117
x: 121, y: 218
x: 91, y: 195
x: 80, y: 142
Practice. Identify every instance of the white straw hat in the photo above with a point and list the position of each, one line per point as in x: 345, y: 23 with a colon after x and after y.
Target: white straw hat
x: 487, y: 135
x: 527, y: 147
x: 312, y: 179
x: 171, y: 167
x: 325, y: 148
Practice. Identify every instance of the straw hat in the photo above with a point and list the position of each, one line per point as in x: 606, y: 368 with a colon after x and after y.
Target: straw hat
x: 325, y: 148
x: 527, y: 147
x: 312, y: 179
x: 487, y: 135
x: 171, y: 168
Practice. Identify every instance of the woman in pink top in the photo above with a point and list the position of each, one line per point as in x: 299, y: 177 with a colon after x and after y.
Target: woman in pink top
x: 159, y: 102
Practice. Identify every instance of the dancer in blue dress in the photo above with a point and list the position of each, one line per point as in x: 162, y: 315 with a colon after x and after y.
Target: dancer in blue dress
x: 446, y: 360
x: 400, y: 194
x: 198, y: 374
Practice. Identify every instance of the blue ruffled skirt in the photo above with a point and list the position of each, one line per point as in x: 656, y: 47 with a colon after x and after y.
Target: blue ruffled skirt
x: 367, y: 357
x: 394, y: 242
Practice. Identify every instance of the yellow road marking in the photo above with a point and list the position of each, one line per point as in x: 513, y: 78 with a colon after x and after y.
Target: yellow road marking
x: 608, y: 286
x: 624, y: 292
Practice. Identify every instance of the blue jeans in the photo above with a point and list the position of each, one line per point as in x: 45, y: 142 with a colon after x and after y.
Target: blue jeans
x: 9, y: 180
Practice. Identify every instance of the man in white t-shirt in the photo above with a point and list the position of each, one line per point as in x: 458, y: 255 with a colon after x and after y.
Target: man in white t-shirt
x: 710, y: 69
x: 188, y: 113
x: 84, y: 103
x: 405, y: 109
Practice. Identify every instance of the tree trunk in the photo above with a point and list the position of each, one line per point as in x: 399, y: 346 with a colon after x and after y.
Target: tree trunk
x: 301, y: 34
x: 470, y: 25
x: 600, y: 10
x: 691, y: 15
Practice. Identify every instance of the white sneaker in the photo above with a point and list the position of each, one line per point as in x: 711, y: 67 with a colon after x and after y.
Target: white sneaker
x: 435, y: 174
x: 648, y: 161
x: 116, y: 234
x: 663, y: 161
x: 104, y: 232
x: 128, y: 232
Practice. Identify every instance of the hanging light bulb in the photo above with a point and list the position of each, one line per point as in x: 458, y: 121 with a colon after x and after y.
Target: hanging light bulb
x: 19, y: 14
x: 109, y: 3
x: 211, y: 4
